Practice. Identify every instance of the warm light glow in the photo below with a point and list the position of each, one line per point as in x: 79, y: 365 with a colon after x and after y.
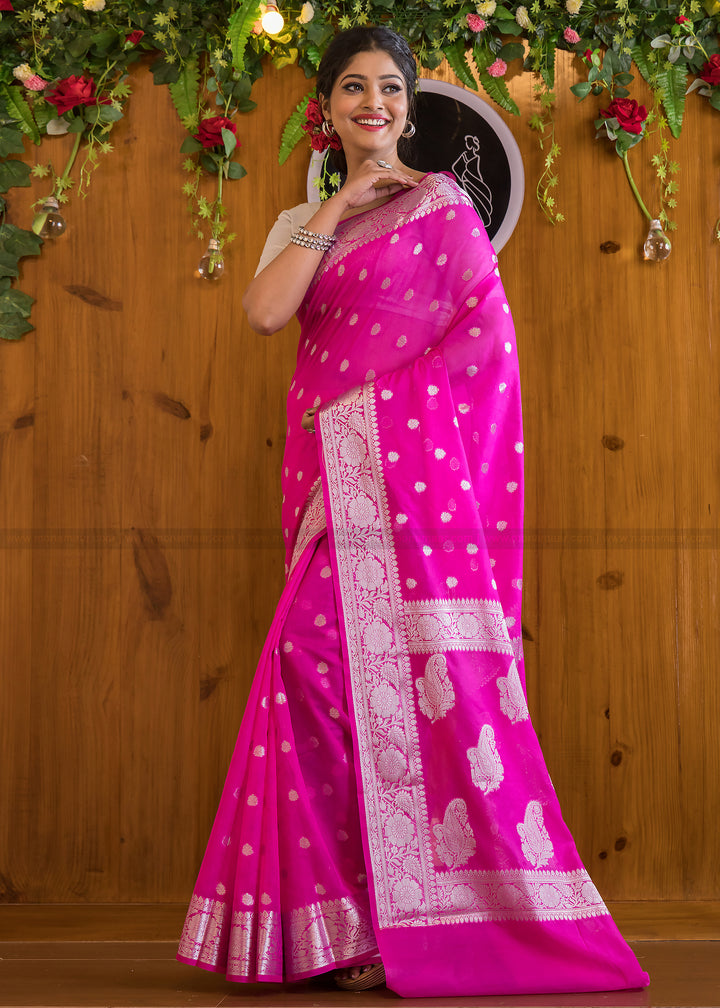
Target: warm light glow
x: 272, y: 20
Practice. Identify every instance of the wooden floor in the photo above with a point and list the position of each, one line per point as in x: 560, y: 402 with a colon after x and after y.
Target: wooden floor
x: 685, y: 974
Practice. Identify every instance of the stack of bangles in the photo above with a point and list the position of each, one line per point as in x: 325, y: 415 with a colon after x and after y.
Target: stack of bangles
x: 312, y: 240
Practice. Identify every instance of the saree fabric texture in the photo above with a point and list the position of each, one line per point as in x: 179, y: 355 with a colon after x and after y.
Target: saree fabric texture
x: 387, y: 798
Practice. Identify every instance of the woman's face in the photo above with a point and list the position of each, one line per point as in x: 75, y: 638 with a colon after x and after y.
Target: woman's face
x: 368, y: 105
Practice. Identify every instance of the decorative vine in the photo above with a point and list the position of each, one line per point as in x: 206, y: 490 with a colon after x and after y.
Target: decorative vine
x: 64, y: 69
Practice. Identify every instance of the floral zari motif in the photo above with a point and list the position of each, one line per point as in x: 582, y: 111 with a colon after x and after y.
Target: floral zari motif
x: 425, y: 865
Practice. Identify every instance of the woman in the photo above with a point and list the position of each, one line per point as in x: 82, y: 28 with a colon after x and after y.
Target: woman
x: 387, y: 804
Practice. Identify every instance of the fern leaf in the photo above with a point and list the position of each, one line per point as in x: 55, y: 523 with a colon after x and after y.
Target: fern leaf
x: 456, y: 56
x: 672, y: 80
x: 498, y: 91
x: 20, y: 111
x: 184, y: 91
x: 293, y: 132
x: 640, y: 55
x: 239, y: 28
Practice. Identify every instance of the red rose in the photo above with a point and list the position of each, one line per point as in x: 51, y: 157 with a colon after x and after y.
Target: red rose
x: 6, y: 5
x: 134, y: 37
x: 314, y: 120
x: 681, y: 19
x: 74, y: 91
x: 209, y: 132
x: 629, y: 114
x: 710, y: 72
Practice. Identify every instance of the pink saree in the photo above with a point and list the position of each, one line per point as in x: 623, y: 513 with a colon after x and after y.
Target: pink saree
x: 387, y: 798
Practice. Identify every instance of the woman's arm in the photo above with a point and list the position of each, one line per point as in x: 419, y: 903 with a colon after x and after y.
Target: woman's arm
x: 275, y: 294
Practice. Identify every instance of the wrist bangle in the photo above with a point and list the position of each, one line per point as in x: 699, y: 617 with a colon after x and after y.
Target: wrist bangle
x: 312, y: 240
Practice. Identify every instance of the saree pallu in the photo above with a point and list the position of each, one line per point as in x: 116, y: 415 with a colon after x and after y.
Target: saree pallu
x: 387, y: 796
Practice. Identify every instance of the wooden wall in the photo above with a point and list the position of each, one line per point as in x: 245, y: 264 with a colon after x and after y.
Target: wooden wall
x: 141, y: 433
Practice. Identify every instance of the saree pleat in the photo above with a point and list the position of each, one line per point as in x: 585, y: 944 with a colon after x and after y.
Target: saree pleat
x: 388, y: 797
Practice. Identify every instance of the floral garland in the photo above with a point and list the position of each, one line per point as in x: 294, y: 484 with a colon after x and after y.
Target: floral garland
x: 64, y: 69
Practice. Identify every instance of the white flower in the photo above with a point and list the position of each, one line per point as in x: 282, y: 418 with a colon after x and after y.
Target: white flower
x: 307, y: 13
x: 361, y: 511
x: 573, y: 6
x: 522, y: 17
x: 369, y: 573
x: 407, y: 894
x: 22, y: 72
x: 94, y: 5
x: 399, y: 829
x: 486, y: 8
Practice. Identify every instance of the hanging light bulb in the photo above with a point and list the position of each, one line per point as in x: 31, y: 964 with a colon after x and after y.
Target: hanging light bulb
x: 49, y: 223
x: 272, y: 20
x: 212, y: 264
x: 657, y: 245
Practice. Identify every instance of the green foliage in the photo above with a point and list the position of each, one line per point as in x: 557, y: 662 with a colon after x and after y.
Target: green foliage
x: 672, y: 82
x: 239, y: 29
x: 293, y: 132
x: 184, y: 92
x: 456, y: 55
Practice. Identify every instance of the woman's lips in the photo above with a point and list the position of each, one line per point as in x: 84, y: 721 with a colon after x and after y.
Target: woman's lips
x: 371, y: 123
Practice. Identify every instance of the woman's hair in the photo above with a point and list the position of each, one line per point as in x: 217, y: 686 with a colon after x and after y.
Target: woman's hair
x: 347, y: 45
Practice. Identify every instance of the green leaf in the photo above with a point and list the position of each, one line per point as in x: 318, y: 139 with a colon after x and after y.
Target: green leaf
x: 103, y: 114
x: 235, y: 170
x: 13, y: 173
x: 14, y: 310
x: 715, y: 99
x: 511, y: 51
x: 293, y: 132
x: 11, y: 141
x: 8, y: 264
x: 239, y: 29
x: 190, y: 145
x: 18, y: 241
x: 229, y: 141
x: 164, y: 72
x: 184, y: 91
x: 497, y: 88
x: 672, y: 81
x: 20, y: 111
x: 581, y: 90
x: 13, y: 326
x: 456, y: 55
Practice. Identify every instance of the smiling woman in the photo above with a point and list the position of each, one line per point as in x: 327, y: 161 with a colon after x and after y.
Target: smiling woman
x: 387, y: 812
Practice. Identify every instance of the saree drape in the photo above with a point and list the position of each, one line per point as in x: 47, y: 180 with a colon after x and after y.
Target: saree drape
x: 388, y: 797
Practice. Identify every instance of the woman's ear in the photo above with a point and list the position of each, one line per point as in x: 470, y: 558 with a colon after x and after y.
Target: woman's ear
x: 324, y: 106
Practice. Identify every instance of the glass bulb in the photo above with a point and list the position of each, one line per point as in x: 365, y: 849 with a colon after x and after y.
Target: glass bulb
x: 272, y: 20
x: 657, y: 245
x: 212, y: 264
x: 49, y: 223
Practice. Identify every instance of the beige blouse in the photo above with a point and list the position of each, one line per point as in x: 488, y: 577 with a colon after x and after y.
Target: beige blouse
x: 287, y: 224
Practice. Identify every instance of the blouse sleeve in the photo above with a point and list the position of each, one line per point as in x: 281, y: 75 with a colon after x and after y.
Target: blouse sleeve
x: 284, y: 227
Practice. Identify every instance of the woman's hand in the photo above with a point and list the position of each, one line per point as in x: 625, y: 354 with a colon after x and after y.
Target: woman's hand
x: 371, y: 182
x: 308, y: 420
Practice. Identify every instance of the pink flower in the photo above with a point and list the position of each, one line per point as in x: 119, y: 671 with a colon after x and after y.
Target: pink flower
x: 571, y: 36
x: 498, y: 68
x: 475, y: 23
x: 35, y: 83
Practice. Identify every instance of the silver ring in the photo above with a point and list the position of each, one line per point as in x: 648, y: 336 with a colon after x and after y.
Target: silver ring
x: 384, y: 164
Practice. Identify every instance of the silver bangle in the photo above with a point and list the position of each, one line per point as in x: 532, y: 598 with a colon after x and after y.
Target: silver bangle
x: 312, y: 240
